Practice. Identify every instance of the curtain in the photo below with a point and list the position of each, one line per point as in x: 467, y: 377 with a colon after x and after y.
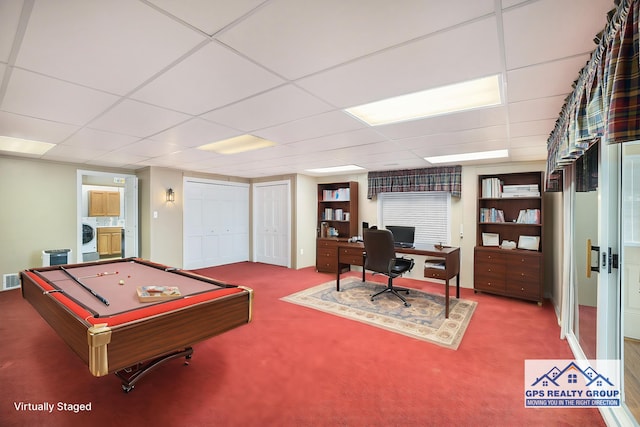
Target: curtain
x: 447, y: 178
x: 605, y: 102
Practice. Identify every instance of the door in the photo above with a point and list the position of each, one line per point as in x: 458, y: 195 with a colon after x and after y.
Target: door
x: 272, y: 223
x: 630, y: 276
x: 216, y: 223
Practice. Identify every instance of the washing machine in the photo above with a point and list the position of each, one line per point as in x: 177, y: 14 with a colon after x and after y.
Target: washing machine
x: 89, y: 235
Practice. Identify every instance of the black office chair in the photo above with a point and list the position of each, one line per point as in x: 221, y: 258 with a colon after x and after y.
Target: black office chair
x: 380, y: 257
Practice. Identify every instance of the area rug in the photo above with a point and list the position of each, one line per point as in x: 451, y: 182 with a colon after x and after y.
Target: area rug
x: 424, y: 319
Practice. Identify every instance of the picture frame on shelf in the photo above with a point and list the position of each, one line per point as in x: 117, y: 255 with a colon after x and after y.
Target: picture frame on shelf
x: 490, y: 239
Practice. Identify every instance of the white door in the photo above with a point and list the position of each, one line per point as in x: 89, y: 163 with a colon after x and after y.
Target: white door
x: 216, y: 223
x: 272, y: 223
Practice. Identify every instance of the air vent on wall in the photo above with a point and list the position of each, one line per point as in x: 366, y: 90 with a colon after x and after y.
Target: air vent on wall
x: 10, y: 281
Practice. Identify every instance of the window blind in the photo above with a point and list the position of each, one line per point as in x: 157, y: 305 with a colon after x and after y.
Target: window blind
x: 429, y: 212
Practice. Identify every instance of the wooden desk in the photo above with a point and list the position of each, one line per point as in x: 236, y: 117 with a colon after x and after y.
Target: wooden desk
x: 352, y: 253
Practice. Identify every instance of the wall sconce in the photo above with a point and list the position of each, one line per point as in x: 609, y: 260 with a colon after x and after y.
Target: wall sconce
x: 171, y: 195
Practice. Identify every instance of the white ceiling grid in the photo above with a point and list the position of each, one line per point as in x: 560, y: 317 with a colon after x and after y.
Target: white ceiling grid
x: 132, y: 84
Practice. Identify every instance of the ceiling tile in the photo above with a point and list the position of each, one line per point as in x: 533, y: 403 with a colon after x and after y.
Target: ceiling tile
x: 536, y: 109
x: 209, y: 16
x: 9, y: 19
x: 277, y: 106
x: 548, y: 79
x: 110, y: 45
x: 480, y: 118
x: 452, y: 56
x: 268, y: 37
x: 66, y: 153
x: 547, y: 30
x: 97, y: 139
x: 18, y: 126
x: 195, y: 132
x: 311, y: 127
x: 43, y: 97
x: 137, y: 119
x: 199, y: 83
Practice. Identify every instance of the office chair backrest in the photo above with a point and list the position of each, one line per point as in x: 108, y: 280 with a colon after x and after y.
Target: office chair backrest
x: 378, y: 244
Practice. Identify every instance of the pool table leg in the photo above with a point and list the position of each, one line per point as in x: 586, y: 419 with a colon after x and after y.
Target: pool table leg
x: 130, y: 376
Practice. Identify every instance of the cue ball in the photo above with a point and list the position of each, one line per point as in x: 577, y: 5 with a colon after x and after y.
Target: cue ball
x: 121, y: 282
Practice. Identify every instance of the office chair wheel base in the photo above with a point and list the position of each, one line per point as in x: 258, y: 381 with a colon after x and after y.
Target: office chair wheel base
x: 406, y: 304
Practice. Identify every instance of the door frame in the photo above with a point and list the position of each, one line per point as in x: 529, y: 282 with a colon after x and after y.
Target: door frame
x: 133, y: 222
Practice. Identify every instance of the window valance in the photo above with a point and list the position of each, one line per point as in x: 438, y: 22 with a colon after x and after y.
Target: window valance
x: 605, y: 103
x: 446, y: 178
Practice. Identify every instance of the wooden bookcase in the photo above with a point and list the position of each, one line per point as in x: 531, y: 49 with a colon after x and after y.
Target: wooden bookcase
x: 337, y: 210
x: 512, y: 211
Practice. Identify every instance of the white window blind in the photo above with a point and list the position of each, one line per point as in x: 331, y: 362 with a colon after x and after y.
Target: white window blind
x: 428, y: 211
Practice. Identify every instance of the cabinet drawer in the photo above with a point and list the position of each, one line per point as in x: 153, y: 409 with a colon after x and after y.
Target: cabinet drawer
x: 488, y: 257
x: 326, y: 265
x: 491, y: 283
x: 326, y: 243
x: 528, y: 290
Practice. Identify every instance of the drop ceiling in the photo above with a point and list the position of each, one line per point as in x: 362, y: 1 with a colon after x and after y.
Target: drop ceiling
x: 131, y: 84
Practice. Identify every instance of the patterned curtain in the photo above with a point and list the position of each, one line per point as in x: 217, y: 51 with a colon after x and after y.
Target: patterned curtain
x: 605, y: 102
x: 447, y: 178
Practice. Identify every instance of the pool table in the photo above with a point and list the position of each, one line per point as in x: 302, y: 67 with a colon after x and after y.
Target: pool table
x: 96, y: 310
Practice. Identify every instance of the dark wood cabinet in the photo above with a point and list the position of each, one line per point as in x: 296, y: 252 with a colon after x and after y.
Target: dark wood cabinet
x: 510, y: 207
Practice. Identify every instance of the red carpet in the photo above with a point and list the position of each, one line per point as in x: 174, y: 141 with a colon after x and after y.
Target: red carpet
x: 293, y: 366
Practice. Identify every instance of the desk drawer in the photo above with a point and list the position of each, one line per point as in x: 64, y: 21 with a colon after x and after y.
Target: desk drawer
x: 436, y: 273
x: 351, y: 256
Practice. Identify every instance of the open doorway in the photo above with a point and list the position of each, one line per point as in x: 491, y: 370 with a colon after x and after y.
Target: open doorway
x: 107, y: 215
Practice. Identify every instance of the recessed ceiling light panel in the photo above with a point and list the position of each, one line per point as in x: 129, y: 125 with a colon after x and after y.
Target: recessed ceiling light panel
x: 484, y: 92
x: 336, y: 169
x: 238, y: 144
x: 24, y: 146
x: 465, y: 157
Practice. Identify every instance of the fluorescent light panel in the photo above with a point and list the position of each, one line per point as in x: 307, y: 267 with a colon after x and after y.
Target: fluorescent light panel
x: 238, y: 144
x: 24, y: 146
x: 482, y: 155
x: 484, y: 92
x: 336, y: 169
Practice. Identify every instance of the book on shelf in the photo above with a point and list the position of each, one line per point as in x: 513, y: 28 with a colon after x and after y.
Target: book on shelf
x: 330, y: 214
x: 491, y: 215
x: 529, y: 216
x: 491, y: 188
x: 520, y: 190
x: 339, y: 195
x: 157, y: 293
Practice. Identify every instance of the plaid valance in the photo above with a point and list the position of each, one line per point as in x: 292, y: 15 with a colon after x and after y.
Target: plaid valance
x: 446, y: 178
x: 605, y: 102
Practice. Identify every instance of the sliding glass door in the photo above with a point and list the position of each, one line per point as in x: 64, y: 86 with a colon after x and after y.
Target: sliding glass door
x: 629, y: 313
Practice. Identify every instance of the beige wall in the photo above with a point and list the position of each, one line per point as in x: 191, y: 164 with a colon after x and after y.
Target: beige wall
x: 38, y: 210
x: 41, y: 212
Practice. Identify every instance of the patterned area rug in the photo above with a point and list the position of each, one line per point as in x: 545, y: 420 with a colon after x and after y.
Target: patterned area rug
x: 423, y: 320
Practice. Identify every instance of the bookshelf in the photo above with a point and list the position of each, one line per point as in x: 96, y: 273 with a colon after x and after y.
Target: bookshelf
x: 338, y: 209
x: 510, y: 208
x: 337, y: 219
